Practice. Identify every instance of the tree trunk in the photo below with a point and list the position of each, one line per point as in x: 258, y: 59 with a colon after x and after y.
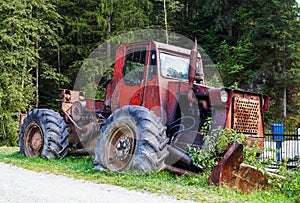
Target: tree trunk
x: 58, y: 62
x: 37, y: 79
x: 166, y: 21
x: 284, y: 102
x: 229, y: 22
x: 284, y: 78
x: 108, y: 35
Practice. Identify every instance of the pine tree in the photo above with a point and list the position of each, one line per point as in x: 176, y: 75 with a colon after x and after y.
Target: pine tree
x: 25, y: 28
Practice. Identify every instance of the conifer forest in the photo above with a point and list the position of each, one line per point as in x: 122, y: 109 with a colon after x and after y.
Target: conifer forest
x: 255, y: 45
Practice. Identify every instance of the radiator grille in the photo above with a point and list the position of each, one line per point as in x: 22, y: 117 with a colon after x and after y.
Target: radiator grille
x: 246, y: 115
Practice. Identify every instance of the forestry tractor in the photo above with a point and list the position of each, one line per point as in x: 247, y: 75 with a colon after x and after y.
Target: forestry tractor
x: 154, y: 107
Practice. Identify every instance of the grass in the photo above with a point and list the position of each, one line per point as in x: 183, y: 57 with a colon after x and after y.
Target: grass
x: 163, y: 183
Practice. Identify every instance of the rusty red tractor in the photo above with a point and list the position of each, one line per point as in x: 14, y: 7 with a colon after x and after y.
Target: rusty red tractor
x: 154, y: 107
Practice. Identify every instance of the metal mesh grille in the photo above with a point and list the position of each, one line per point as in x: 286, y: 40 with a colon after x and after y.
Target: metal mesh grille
x: 246, y: 115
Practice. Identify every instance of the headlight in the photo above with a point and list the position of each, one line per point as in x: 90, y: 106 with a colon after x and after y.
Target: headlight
x: 224, y: 96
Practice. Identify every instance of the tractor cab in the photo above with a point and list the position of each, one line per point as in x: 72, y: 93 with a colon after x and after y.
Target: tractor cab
x: 150, y: 74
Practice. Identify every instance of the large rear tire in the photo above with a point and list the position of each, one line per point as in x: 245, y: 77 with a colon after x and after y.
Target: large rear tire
x: 44, y: 133
x: 133, y: 139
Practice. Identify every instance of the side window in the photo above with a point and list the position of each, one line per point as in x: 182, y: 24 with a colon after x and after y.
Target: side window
x: 133, y: 72
x: 153, y: 66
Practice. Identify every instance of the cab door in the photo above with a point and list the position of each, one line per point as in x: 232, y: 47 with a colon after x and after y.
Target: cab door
x: 151, y: 90
x: 131, y: 86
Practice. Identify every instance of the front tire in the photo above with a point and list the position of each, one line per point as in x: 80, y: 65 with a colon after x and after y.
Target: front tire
x: 44, y: 133
x: 133, y: 139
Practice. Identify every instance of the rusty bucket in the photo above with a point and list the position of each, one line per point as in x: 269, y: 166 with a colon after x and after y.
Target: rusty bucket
x: 231, y: 172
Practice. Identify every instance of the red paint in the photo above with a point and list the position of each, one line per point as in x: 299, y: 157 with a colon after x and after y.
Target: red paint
x: 94, y: 105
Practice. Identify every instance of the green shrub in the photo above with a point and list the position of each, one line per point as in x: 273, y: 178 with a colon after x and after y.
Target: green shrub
x: 8, y: 131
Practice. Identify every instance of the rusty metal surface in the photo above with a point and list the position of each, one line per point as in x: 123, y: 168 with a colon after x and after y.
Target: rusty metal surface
x: 22, y: 117
x: 120, y: 148
x: 180, y: 171
x: 94, y: 105
x: 37, y: 141
x: 66, y: 108
x: 70, y: 96
x: 248, y: 178
x: 78, y: 110
x: 33, y: 140
x: 223, y: 172
x: 231, y: 172
x: 246, y: 114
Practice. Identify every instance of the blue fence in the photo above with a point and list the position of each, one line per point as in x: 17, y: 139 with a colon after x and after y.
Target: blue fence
x: 282, y: 145
x: 282, y: 149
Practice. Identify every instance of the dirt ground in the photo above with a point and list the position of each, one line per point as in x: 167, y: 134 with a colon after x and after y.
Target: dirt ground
x: 20, y: 185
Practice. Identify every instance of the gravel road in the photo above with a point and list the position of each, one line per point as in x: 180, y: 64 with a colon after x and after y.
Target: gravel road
x: 20, y: 185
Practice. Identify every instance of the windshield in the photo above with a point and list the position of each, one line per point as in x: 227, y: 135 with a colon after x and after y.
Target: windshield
x: 174, y: 66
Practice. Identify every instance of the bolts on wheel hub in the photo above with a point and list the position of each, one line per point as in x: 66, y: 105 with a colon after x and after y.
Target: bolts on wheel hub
x: 122, y: 148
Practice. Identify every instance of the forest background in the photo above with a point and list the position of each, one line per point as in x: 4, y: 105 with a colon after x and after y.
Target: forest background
x: 43, y: 43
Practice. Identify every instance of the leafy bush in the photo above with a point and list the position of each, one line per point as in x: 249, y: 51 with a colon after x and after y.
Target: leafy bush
x: 290, y: 186
x: 214, y: 147
x: 217, y: 141
x: 9, y: 131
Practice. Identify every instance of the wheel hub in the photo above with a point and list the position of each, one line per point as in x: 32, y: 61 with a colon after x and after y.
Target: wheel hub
x: 122, y: 148
x: 33, y: 140
x: 36, y: 141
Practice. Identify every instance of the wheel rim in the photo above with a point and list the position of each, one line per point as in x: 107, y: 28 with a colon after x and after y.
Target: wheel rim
x: 33, y: 140
x: 120, y: 148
